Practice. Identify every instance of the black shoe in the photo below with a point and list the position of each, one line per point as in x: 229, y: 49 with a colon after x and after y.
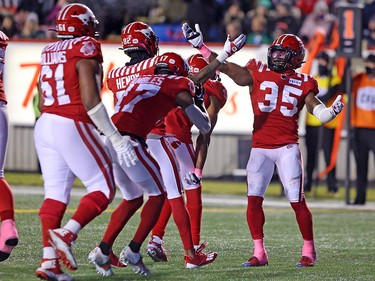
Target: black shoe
x: 357, y: 203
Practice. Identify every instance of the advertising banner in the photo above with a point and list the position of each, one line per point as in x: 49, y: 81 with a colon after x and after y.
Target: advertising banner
x: 22, y: 70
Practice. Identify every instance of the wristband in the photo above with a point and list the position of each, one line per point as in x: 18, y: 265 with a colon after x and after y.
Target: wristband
x: 323, y: 113
x: 222, y: 56
x: 198, y: 172
x: 205, y: 51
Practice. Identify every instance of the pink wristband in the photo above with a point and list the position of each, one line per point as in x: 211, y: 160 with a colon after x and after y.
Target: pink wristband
x: 205, y: 51
x: 198, y: 172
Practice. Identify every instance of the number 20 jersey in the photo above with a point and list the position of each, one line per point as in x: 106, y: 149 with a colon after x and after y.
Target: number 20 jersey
x: 277, y: 100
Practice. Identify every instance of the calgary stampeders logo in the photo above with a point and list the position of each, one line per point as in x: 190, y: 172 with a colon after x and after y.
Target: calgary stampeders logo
x: 88, y: 48
x: 85, y: 18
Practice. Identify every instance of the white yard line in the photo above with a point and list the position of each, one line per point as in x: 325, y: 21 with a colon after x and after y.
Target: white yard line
x: 234, y: 200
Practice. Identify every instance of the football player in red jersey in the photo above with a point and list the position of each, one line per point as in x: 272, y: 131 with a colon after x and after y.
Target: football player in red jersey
x: 278, y: 93
x: 191, y: 162
x: 8, y: 231
x: 67, y: 141
x: 139, y: 118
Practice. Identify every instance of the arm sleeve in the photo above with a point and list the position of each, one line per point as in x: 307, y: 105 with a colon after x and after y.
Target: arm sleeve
x: 323, y: 113
x: 199, y: 119
x: 100, y: 117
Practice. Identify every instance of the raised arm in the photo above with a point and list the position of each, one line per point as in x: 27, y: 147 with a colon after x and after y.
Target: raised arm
x: 240, y: 75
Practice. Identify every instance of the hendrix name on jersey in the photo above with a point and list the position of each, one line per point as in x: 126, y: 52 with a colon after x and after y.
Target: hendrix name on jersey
x: 146, y: 100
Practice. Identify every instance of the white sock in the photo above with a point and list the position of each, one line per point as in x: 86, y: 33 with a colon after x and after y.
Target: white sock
x: 49, y: 253
x: 73, y: 226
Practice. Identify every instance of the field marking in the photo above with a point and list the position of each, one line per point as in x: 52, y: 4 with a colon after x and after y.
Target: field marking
x: 227, y: 200
x: 216, y: 210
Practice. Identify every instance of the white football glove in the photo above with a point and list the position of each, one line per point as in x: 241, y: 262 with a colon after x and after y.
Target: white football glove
x: 195, y: 38
x: 191, y: 178
x: 337, y: 106
x: 231, y: 47
x: 125, y: 151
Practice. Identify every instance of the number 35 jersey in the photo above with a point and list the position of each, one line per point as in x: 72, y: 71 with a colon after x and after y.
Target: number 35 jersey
x: 59, y: 78
x: 277, y: 100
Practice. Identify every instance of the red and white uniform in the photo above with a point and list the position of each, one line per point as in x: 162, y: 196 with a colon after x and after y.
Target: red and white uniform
x: 140, y: 107
x: 66, y: 140
x: 4, y: 126
x: 146, y: 100
x: 179, y: 129
x: 277, y: 100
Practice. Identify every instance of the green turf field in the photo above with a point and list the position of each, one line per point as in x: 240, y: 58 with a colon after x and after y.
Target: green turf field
x: 213, y: 187
x: 344, y: 238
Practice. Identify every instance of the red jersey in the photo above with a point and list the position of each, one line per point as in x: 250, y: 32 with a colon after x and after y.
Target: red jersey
x: 177, y: 121
x: 363, y: 108
x: 120, y: 77
x: 277, y: 100
x: 3, y: 45
x: 59, y: 78
x: 147, y: 99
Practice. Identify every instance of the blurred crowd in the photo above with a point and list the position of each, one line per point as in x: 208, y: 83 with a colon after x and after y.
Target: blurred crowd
x: 261, y: 20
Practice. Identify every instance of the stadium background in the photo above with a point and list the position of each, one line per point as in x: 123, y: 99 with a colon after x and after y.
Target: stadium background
x: 231, y: 139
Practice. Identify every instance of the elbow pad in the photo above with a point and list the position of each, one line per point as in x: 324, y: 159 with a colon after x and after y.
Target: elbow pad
x: 323, y: 113
x: 200, y: 119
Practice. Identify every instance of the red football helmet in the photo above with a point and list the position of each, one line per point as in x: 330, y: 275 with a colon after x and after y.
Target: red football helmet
x: 174, y: 62
x: 196, y: 63
x: 286, y: 53
x: 76, y: 20
x: 139, y: 36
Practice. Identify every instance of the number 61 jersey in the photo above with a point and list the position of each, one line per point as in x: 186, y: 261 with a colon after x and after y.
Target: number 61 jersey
x: 59, y: 78
x: 277, y: 99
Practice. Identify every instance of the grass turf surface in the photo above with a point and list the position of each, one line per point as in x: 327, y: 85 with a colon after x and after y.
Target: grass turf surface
x: 212, y: 187
x: 344, y: 239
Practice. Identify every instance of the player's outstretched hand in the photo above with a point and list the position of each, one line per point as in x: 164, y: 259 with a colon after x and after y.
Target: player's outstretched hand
x: 194, y: 37
x: 337, y: 106
x: 192, y: 178
x: 125, y: 152
x: 231, y: 47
